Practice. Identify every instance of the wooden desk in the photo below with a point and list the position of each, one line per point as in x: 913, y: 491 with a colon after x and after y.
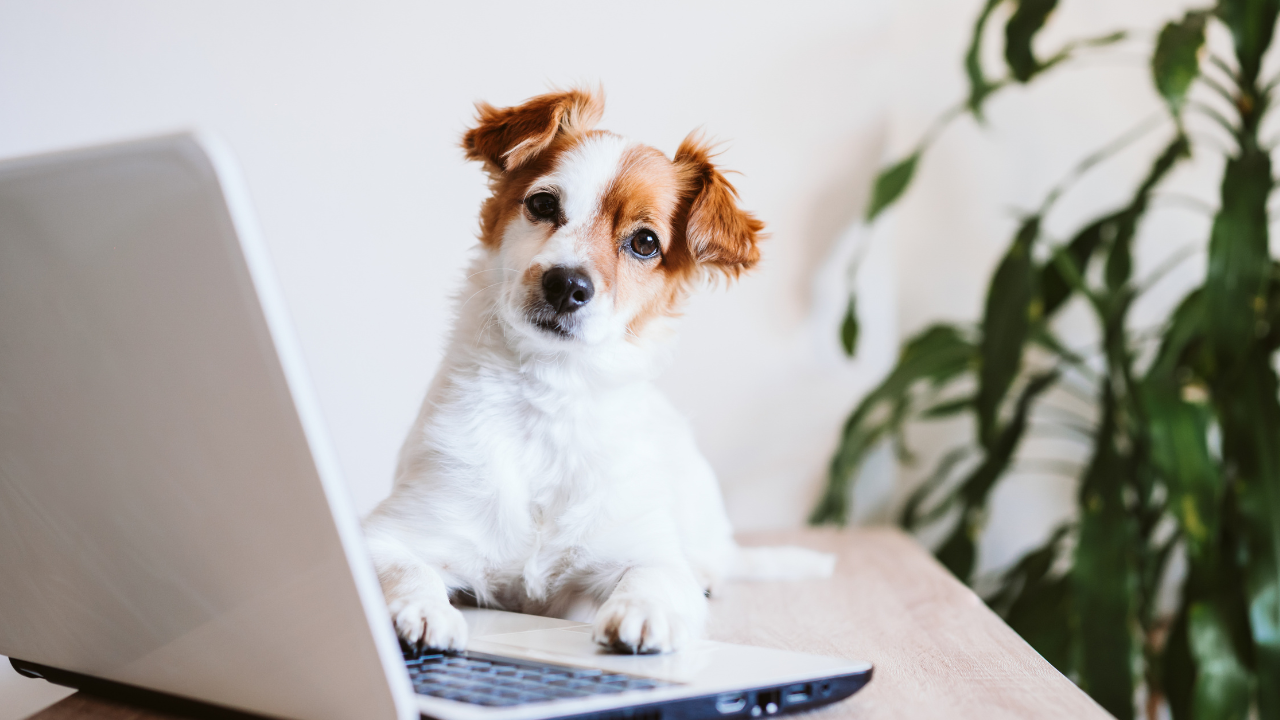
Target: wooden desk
x: 938, y: 651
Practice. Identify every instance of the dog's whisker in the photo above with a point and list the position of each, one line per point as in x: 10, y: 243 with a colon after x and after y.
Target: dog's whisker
x: 490, y: 270
x: 494, y: 320
x: 474, y: 294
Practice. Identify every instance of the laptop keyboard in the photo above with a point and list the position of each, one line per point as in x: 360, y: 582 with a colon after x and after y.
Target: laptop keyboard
x: 485, y: 680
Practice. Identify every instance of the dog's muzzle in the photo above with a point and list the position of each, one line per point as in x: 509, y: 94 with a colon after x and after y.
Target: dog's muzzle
x: 567, y: 289
x: 564, y: 291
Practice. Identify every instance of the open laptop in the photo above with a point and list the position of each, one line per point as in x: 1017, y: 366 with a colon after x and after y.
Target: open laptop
x: 173, y: 525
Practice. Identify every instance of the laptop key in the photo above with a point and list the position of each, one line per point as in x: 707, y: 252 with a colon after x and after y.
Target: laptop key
x: 567, y: 693
x: 494, y: 683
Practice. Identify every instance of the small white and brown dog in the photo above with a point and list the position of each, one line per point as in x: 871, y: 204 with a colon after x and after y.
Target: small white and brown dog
x: 545, y: 472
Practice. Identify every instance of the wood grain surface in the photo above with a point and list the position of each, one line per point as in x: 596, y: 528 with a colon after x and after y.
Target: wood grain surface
x: 939, y: 652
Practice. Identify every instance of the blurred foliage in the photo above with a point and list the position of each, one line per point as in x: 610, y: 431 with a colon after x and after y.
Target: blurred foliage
x: 1185, y: 447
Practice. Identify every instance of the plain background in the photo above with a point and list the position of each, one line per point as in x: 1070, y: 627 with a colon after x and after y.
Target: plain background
x: 345, y: 120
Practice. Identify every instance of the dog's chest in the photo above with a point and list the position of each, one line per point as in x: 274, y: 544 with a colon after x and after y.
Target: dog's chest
x: 542, y: 441
x: 547, y: 464
x: 548, y: 514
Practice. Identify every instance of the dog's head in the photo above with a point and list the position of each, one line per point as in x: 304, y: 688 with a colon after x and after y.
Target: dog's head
x: 595, y: 236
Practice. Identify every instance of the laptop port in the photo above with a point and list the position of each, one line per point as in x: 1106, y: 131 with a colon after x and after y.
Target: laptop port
x: 731, y: 703
x: 767, y: 703
x: 797, y: 694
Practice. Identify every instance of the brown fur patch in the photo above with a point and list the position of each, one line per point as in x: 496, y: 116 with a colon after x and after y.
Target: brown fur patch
x: 509, y: 188
x: 645, y: 194
x: 507, y: 138
x: 719, y: 233
x: 642, y: 195
x: 519, y: 144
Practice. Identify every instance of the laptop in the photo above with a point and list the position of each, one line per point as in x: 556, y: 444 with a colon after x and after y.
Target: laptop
x: 173, y: 524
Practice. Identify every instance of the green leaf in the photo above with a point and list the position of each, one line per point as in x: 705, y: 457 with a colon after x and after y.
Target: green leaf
x: 855, y: 442
x: 1251, y: 444
x: 1120, y: 260
x: 1264, y: 625
x: 1222, y: 685
x: 1000, y: 453
x: 1115, y: 230
x: 1270, y: 342
x: 1252, y: 23
x: 1103, y: 577
x: 891, y: 183
x: 1019, y: 33
x: 1055, y: 289
x: 1042, y: 616
x: 975, y: 488
x: 1239, y: 263
x: 1183, y: 335
x: 1066, y: 52
x: 849, y: 327
x: 1041, y: 336
x: 938, y: 355
x: 1037, y: 604
x: 1102, y: 585
x: 1032, y: 566
x: 1178, y: 432
x: 1152, y: 568
x: 947, y: 408
x: 958, y: 552
x: 1176, y: 61
x: 1177, y: 670
x: 1005, y: 325
x: 979, y: 86
x: 911, y: 517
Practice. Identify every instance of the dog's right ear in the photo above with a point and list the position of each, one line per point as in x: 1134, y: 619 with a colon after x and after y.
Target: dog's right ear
x: 506, y: 138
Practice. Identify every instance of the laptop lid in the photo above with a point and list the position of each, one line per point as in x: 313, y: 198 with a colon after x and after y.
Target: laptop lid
x: 171, y: 513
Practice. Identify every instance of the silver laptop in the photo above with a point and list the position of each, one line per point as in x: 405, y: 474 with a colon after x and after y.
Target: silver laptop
x: 173, y: 524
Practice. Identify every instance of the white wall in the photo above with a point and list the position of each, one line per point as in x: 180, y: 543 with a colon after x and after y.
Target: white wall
x: 345, y: 119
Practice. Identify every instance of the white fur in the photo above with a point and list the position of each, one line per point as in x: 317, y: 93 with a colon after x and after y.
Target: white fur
x: 547, y: 474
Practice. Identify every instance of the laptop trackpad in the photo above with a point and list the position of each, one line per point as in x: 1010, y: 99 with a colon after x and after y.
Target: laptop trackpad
x: 574, y: 646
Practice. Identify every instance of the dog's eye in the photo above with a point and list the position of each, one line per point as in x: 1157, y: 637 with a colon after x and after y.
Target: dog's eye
x: 543, y: 206
x: 644, y: 244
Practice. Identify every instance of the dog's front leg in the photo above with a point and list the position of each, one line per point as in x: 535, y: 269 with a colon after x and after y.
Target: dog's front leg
x: 652, y: 609
x: 418, y: 600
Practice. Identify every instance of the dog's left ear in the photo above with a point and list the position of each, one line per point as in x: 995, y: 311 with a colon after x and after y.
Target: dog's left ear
x: 506, y: 138
x: 720, y: 234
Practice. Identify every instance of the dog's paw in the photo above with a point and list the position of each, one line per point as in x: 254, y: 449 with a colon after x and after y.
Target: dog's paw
x: 429, y: 625
x: 635, y: 626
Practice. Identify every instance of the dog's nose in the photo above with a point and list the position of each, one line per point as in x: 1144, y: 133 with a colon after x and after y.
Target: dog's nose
x: 567, y: 289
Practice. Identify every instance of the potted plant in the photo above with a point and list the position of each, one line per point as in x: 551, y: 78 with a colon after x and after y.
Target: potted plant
x: 1185, y: 451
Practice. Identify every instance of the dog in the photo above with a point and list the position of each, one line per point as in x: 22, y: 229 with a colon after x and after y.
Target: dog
x: 545, y: 473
